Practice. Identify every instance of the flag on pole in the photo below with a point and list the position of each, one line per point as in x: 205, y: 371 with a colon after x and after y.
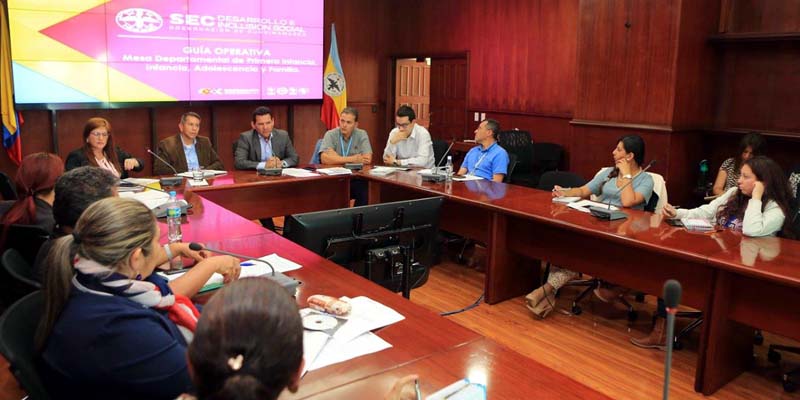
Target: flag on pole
x: 11, y: 120
x: 334, y: 96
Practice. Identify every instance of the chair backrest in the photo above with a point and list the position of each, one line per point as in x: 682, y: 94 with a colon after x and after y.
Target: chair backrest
x: 659, y: 193
x: 17, y: 331
x: 512, y: 164
x: 519, y: 143
x: 439, y: 147
x: 315, y: 159
x: 234, y: 145
x: 19, y: 269
x: 547, y: 156
x: 561, y: 178
x: 7, y: 189
x: 26, y: 239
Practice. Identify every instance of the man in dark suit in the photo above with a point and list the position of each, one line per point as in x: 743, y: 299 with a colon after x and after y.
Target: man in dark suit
x: 263, y: 146
x: 186, y: 150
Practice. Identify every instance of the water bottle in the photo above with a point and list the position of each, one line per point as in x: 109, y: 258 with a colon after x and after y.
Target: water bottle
x: 174, y: 218
x: 448, y: 169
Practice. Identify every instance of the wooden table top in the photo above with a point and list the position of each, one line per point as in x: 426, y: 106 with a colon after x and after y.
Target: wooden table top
x: 506, y: 374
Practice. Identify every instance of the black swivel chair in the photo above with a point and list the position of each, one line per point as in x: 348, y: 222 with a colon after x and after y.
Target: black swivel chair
x: 7, y: 189
x: 17, y: 331
x: 550, y: 179
x: 519, y: 144
x: 20, y: 270
x: 26, y: 240
x: 546, y: 157
x: 439, y: 148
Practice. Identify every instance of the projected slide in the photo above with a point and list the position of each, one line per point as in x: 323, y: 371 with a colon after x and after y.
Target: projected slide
x: 91, y: 51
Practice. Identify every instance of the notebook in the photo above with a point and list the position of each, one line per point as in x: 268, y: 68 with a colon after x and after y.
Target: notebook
x: 697, y: 224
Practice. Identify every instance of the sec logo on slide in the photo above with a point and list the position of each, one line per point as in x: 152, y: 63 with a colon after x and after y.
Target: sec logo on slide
x: 139, y: 20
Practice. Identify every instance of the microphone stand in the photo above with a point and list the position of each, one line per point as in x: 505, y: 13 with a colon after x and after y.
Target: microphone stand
x: 606, y: 212
x: 434, y: 175
x: 167, y: 181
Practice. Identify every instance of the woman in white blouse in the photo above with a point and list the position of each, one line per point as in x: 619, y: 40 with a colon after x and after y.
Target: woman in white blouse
x: 757, y: 207
x: 99, y: 150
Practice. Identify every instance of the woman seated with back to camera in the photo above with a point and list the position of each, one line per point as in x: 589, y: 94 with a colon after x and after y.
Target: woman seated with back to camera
x: 112, y: 329
x: 98, y: 150
x: 35, y: 182
x: 624, y: 185
x: 757, y: 207
x: 230, y: 358
x: 751, y: 145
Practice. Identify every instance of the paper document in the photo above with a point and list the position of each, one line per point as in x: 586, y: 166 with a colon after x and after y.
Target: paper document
x: 249, y: 269
x: 697, y: 224
x: 150, y: 198
x: 427, y: 171
x: 334, y: 171
x: 140, y: 181
x: 583, y: 205
x: 565, y: 199
x: 334, y: 351
x: 366, y: 315
x: 194, y: 183
x: 207, y: 173
x: 385, y: 171
x: 298, y: 173
x: 466, y: 178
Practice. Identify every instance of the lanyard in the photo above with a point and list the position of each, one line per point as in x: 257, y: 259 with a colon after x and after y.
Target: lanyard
x: 480, y: 160
x: 349, y: 144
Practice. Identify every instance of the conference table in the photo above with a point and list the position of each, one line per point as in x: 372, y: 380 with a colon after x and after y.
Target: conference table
x: 520, y: 226
x: 424, y: 343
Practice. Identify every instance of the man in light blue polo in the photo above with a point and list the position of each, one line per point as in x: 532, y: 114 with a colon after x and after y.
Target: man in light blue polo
x: 489, y: 160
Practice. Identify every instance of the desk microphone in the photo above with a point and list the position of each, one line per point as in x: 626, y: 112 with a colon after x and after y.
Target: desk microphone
x: 672, y: 297
x: 288, y: 283
x: 198, y: 247
x: 167, y: 181
x: 607, y: 212
x: 434, y: 175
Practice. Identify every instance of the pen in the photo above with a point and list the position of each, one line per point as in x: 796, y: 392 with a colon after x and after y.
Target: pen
x: 416, y: 389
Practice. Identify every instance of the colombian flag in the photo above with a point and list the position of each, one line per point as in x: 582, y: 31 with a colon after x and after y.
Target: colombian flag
x: 10, y: 122
x: 334, y: 96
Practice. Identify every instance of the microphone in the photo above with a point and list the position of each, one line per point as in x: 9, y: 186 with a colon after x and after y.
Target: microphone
x: 167, y: 181
x: 672, y: 297
x: 163, y: 161
x: 288, y: 283
x: 608, y: 213
x: 197, y: 247
x: 434, y: 175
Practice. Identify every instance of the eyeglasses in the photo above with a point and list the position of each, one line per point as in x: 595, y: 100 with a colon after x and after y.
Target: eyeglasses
x: 100, y: 134
x: 404, y: 126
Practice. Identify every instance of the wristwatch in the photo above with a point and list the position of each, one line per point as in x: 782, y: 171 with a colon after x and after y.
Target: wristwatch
x: 627, y: 176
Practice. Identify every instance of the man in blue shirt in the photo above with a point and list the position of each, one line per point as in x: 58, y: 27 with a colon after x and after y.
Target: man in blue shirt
x: 489, y: 160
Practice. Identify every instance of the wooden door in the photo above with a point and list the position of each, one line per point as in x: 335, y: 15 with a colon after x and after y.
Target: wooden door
x: 412, y: 88
x: 448, y: 117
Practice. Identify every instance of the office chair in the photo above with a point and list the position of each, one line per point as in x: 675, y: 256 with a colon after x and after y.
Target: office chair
x: 519, y: 144
x: 26, y: 240
x: 20, y: 270
x: 315, y: 159
x: 7, y: 189
x: 17, y: 331
x: 439, y: 147
x: 546, y: 157
x: 234, y: 145
x: 550, y: 179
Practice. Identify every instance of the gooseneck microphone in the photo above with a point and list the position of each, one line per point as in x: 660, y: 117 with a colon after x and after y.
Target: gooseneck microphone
x: 434, y: 175
x: 607, y: 212
x: 198, y: 247
x: 672, y: 297
x: 163, y: 161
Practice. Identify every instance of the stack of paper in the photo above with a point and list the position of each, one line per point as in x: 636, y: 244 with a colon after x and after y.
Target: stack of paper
x: 249, y: 269
x: 466, y: 178
x: 351, y: 338
x: 334, y: 171
x: 385, y: 171
x: 297, y: 173
x: 697, y: 224
x: 194, y: 183
x: 150, y: 198
x: 207, y: 173
x: 565, y: 199
x: 583, y: 205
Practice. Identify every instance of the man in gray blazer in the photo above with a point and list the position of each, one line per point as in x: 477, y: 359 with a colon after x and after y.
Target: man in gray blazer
x: 263, y: 146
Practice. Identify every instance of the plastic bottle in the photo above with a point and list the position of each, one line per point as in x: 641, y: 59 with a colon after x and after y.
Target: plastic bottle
x: 448, y: 169
x: 174, y: 218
